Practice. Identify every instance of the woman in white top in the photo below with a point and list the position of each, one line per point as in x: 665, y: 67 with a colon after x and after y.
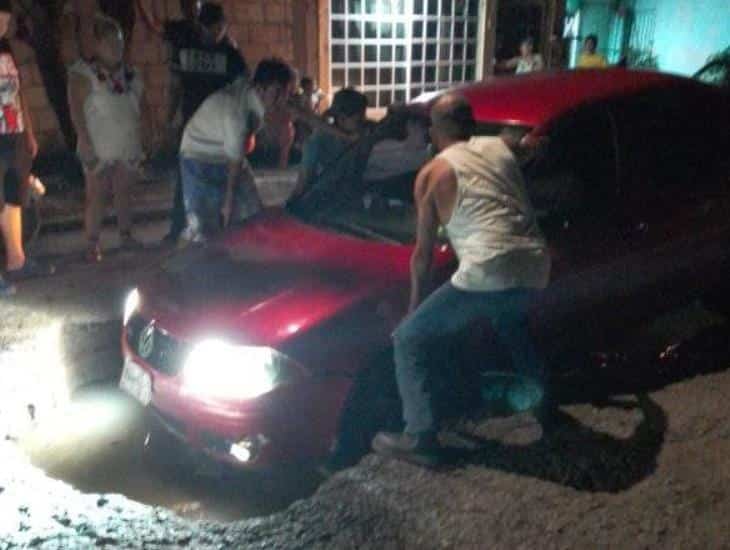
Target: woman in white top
x: 527, y: 61
x: 107, y: 104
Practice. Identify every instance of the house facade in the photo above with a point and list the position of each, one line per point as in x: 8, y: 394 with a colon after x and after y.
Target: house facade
x: 675, y: 36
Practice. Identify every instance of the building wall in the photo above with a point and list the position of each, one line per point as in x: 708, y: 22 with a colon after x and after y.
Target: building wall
x: 262, y: 28
x: 688, y: 31
x: 685, y: 32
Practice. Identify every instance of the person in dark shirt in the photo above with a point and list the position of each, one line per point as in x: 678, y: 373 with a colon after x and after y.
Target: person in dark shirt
x: 203, y: 59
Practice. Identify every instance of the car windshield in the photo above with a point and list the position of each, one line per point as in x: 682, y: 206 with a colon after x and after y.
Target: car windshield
x: 380, y: 206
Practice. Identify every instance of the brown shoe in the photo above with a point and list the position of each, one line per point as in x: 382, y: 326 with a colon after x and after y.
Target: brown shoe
x: 93, y: 254
x: 422, y: 449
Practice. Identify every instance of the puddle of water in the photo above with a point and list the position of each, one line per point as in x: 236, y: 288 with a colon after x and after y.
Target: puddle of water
x: 97, y: 444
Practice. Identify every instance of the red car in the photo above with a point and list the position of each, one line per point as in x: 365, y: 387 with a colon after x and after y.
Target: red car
x: 265, y: 346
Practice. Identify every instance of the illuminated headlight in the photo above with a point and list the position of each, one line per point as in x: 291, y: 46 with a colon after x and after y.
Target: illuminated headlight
x: 221, y: 370
x: 130, y: 305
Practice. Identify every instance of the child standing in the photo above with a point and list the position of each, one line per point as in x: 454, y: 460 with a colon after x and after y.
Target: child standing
x: 106, y: 100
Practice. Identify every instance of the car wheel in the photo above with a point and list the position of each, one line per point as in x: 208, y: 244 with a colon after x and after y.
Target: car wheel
x: 162, y: 451
x: 373, y: 405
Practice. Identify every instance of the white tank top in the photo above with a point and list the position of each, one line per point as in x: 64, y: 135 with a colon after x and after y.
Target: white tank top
x: 113, y: 119
x: 493, y: 228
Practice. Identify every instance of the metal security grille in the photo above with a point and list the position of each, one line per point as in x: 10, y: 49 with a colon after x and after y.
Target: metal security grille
x: 395, y: 50
x: 641, y: 39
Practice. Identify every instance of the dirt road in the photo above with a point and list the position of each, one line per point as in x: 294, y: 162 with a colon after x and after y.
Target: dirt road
x: 637, y: 457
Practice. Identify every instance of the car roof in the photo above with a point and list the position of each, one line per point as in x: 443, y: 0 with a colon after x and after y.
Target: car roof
x: 536, y: 99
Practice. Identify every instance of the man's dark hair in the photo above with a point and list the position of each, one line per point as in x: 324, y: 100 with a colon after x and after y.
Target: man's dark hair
x: 593, y: 38
x: 528, y: 40
x: 273, y: 71
x: 5, y: 6
x: 211, y: 14
x: 306, y: 81
x: 348, y: 102
x: 453, y: 117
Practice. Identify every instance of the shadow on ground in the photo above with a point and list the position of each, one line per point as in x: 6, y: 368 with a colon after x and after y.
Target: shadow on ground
x: 562, y: 449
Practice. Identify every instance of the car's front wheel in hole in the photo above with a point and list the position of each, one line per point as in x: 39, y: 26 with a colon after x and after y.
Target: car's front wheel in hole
x: 372, y: 405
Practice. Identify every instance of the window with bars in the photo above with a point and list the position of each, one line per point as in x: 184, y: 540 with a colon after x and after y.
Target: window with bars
x: 395, y: 50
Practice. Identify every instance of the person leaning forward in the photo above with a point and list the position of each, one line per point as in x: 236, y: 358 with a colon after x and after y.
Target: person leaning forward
x: 475, y: 189
x: 218, y: 183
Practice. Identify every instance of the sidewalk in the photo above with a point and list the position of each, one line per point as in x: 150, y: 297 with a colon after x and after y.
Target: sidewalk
x: 152, y: 199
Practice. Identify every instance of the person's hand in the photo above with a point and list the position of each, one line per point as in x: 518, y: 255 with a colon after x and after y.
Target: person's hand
x: 32, y: 144
x: 395, y: 124
x: 226, y: 210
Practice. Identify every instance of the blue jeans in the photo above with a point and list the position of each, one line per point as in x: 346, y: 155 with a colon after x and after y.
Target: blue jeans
x: 447, y: 313
x: 204, y: 188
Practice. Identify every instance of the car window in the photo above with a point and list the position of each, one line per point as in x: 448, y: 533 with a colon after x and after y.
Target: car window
x: 574, y: 173
x: 671, y: 139
x: 385, y: 208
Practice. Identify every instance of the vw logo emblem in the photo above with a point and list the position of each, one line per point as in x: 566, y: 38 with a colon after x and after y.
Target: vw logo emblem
x: 147, y: 341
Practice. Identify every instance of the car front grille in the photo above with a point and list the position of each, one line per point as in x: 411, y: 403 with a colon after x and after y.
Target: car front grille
x: 165, y: 355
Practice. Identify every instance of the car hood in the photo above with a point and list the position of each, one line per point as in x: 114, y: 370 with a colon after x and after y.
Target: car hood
x: 272, y: 279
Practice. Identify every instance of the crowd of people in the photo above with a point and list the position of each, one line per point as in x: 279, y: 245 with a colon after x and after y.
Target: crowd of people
x: 226, y: 121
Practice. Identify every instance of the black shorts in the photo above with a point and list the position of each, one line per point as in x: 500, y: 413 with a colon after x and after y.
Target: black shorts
x: 13, y: 169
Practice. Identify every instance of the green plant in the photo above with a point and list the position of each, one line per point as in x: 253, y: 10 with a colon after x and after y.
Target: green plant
x: 722, y: 55
x: 642, y: 59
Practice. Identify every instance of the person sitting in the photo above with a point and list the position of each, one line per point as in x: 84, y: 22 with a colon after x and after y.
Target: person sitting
x: 589, y: 59
x: 527, y: 61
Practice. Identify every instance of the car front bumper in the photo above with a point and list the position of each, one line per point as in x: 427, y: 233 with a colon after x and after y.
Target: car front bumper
x: 292, y: 423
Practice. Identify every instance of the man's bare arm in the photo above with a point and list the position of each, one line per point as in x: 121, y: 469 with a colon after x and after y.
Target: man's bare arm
x: 426, y: 233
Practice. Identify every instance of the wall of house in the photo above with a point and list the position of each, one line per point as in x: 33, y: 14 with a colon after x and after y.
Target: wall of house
x: 262, y: 28
x: 688, y: 31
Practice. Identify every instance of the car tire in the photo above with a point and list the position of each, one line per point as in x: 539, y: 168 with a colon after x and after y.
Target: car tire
x: 373, y: 405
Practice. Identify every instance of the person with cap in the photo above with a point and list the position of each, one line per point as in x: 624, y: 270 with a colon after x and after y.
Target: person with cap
x: 218, y: 184
x: 324, y: 147
x: 18, y: 147
x: 203, y: 59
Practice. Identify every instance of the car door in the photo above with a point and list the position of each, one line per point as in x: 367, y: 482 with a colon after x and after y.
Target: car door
x: 674, y: 183
x: 574, y: 185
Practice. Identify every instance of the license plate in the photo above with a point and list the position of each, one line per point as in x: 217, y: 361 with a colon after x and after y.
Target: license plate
x: 136, y: 382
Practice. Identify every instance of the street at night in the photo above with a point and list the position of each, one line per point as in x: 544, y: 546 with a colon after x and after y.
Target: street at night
x: 637, y: 458
x: 378, y: 275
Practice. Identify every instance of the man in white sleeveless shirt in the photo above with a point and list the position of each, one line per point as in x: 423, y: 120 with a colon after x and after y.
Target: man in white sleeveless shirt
x: 475, y: 189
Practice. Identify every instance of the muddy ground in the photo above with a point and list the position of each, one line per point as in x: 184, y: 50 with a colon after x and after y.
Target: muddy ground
x: 637, y: 457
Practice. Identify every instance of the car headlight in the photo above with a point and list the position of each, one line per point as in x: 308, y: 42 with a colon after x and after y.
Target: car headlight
x: 217, y: 369
x: 130, y: 305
